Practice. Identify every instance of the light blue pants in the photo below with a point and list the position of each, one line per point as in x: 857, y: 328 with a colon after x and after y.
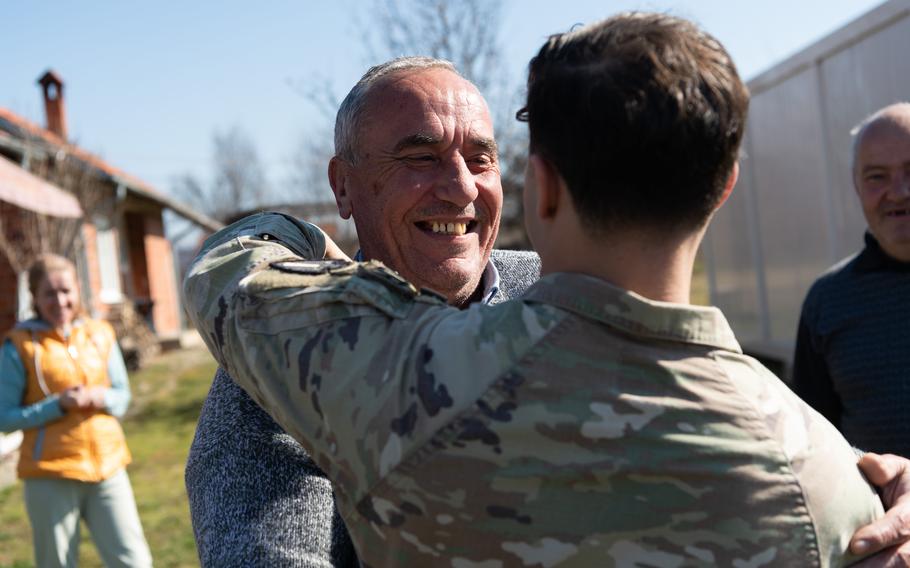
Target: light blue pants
x: 55, y: 506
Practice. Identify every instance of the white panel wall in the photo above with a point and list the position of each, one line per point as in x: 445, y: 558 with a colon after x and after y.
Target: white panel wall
x: 794, y: 212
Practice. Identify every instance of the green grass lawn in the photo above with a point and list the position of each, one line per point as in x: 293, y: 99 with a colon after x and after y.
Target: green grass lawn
x: 167, y: 397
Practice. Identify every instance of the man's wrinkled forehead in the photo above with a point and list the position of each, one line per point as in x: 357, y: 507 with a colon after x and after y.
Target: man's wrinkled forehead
x: 892, y: 125
x: 421, y: 139
x: 891, y: 122
x: 428, y: 93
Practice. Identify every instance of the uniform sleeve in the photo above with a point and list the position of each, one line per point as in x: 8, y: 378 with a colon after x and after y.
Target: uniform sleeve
x: 352, y: 361
x: 811, y: 380
x: 14, y: 416
x: 117, y: 397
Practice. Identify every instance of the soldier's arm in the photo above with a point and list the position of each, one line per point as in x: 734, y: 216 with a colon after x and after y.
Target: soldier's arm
x: 813, y: 383
x: 351, y: 360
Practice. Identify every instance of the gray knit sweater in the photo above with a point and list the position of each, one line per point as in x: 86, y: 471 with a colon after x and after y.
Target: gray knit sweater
x: 256, y: 497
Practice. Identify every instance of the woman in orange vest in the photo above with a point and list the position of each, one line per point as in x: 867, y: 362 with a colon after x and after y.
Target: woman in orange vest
x: 63, y: 381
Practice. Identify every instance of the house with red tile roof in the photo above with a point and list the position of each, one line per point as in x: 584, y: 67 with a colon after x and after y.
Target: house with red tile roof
x: 58, y: 197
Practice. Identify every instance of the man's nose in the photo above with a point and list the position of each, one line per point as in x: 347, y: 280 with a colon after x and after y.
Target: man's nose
x: 900, y: 187
x: 456, y: 183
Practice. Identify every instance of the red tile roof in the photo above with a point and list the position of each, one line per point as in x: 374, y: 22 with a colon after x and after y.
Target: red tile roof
x: 36, y: 132
x: 38, y: 195
x: 29, y: 131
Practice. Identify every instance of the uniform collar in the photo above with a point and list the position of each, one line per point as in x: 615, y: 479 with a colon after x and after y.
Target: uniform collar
x: 630, y: 313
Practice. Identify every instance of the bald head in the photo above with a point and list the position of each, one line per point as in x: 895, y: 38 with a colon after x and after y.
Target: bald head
x: 896, y: 116
x: 881, y: 176
x: 350, y: 113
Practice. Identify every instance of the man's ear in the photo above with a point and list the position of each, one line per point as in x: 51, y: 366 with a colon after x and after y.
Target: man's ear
x: 338, y: 179
x: 548, y: 184
x: 728, y: 187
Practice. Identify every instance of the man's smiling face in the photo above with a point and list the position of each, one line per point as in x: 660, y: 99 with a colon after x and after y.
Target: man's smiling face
x: 425, y: 190
x: 882, y: 179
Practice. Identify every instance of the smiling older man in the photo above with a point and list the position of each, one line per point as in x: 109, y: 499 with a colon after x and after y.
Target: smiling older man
x: 853, y: 350
x: 422, y: 181
x: 416, y: 167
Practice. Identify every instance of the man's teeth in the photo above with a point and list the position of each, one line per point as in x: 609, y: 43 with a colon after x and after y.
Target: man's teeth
x: 450, y: 228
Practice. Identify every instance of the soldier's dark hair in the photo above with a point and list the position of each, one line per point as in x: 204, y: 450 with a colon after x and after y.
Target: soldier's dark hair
x: 642, y: 115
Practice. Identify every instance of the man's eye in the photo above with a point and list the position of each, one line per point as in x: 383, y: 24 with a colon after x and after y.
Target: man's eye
x: 420, y: 158
x: 481, y: 160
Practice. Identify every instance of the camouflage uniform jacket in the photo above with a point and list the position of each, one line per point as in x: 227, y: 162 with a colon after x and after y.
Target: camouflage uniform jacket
x: 580, y: 426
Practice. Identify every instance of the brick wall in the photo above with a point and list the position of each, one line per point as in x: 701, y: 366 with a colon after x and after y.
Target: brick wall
x: 8, y: 295
x: 161, y: 280
x: 90, y: 238
x: 12, y: 224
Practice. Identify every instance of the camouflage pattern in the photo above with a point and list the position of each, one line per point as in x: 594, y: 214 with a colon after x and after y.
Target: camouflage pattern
x: 581, y: 426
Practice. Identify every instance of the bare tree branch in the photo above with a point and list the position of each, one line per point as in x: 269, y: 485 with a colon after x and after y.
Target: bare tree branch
x: 239, y: 182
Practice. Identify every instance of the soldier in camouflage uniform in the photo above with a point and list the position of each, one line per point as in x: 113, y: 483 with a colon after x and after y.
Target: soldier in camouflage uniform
x: 600, y: 419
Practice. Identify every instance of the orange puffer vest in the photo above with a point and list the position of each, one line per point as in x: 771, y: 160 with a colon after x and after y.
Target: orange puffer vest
x: 81, y: 445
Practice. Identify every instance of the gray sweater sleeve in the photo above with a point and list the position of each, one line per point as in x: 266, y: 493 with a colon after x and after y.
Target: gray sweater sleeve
x: 256, y: 497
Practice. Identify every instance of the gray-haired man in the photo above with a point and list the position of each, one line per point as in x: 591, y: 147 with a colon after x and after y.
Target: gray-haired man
x: 416, y: 166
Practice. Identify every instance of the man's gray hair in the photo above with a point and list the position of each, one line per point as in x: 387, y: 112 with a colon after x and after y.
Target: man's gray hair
x: 350, y: 113
x: 856, y: 133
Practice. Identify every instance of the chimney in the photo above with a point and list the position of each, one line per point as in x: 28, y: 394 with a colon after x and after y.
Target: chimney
x: 53, y: 103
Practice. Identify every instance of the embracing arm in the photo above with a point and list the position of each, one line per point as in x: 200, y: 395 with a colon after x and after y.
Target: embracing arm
x: 891, y: 476
x: 285, y: 329
x: 350, y: 359
x: 256, y: 497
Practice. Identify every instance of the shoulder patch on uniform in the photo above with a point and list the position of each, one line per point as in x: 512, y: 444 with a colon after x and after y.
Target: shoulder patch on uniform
x: 308, y: 266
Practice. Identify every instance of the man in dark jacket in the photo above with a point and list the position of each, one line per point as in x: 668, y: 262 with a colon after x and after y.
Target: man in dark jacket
x: 852, y: 348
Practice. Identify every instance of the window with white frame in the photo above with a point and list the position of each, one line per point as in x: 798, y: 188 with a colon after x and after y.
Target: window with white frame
x: 108, y: 262
x: 24, y: 298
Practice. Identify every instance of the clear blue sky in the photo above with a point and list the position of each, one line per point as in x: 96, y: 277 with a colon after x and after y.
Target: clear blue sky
x: 147, y: 83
